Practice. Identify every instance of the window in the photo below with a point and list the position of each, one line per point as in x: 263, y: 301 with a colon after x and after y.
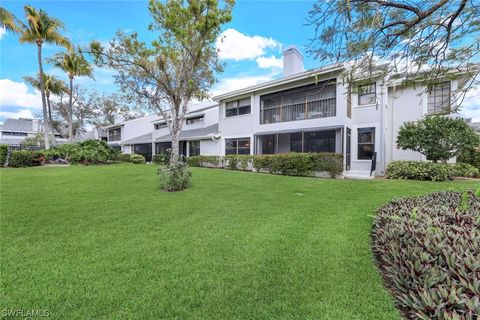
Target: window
x: 237, y: 146
x: 194, y: 148
x: 160, y: 125
x: 238, y: 107
x: 194, y: 120
x: 319, y: 141
x: 163, y: 147
x: 13, y: 133
x: 114, y: 134
x: 366, y: 143
x: 439, y: 98
x: 367, y: 94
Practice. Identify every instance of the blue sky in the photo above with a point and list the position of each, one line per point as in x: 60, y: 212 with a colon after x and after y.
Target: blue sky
x: 252, y: 48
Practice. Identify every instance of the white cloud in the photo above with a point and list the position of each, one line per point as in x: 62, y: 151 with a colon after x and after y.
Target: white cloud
x: 471, y: 105
x: 269, y: 62
x: 231, y: 84
x: 3, y: 32
x: 235, y: 45
x: 17, y: 94
x: 22, y: 113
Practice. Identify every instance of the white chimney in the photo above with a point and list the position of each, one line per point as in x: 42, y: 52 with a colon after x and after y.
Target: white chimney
x: 292, y: 61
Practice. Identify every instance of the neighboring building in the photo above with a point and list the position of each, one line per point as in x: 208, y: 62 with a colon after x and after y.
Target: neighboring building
x: 93, y: 134
x: 14, y: 131
x: 149, y: 135
x: 475, y: 126
x: 304, y: 111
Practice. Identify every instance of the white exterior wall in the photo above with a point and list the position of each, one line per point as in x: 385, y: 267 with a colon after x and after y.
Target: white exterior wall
x: 406, y: 104
x: 209, y: 147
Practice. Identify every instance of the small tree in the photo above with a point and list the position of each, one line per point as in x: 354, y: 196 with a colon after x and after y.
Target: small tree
x: 437, y: 137
x: 175, y: 68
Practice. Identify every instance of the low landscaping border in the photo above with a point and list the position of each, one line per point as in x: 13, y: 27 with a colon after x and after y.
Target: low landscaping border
x: 428, y: 252
x: 289, y: 164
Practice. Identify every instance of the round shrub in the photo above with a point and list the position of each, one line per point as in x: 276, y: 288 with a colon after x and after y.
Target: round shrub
x: 427, y: 250
x: 418, y: 170
x: 175, y: 178
x: 137, y: 159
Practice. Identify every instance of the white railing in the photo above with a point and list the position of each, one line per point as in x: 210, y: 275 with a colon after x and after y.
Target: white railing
x: 299, y: 111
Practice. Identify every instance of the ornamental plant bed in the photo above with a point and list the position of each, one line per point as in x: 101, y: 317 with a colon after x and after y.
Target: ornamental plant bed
x: 428, y: 252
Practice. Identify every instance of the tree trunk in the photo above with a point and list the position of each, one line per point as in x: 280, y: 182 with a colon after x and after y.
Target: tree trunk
x: 175, y: 145
x: 46, y: 124
x: 49, y: 111
x: 70, y: 113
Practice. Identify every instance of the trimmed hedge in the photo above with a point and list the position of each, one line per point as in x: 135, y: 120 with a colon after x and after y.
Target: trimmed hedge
x: 124, y: 157
x: 418, y: 170
x: 471, y: 156
x: 291, y: 164
x: 25, y: 158
x: 137, y: 159
x: 3, y: 154
x: 464, y: 170
x: 427, y: 250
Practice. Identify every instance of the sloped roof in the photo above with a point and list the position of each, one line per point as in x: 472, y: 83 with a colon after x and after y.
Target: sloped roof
x: 25, y: 125
x: 192, y: 134
x: 145, y: 138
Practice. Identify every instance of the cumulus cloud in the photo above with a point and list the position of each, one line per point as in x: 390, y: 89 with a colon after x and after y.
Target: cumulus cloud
x: 237, y: 46
x: 3, y: 32
x: 471, y: 105
x: 231, y: 84
x: 17, y: 94
x: 22, y: 113
x: 269, y: 62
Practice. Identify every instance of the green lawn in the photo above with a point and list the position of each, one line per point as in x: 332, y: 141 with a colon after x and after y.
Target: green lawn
x: 103, y: 242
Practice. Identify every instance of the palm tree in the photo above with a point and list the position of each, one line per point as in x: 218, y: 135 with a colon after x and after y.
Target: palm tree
x: 53, y: 86
x: 40, y: 29
x: 75, y: 65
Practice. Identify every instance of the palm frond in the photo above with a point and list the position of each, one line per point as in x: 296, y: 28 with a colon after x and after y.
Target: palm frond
x: 10, y: 22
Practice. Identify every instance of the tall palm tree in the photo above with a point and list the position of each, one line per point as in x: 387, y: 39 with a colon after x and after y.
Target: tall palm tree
x: 53, y: 86
x: 39, y: 29
x: 74, y: 64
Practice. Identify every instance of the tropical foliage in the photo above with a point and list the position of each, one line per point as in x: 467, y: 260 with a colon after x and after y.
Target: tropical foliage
x: 39, y: 28
x: 427, y: 250
x: 74, y: 64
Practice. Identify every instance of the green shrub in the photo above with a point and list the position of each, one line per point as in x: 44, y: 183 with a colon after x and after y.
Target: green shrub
x: 88, y: 152
x: 427, y: 250
x: 418, y: 170
x: 160, y: 159
x: 299, y: 164
x: 124, y: 157
x: 3, y: 154
x: 137, y: 159
x: 205, y: 161
x: 328, y: 162
x: 470, y: 156
x: 25, y: 158
x: 231, y: 162
x: 175, y: 178
x: 464, y: 170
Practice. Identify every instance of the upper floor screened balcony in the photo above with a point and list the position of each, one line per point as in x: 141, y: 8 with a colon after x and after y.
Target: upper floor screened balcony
x: 307, y: 102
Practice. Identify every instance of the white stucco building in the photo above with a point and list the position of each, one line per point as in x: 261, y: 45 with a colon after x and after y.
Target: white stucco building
x: 304, y: 111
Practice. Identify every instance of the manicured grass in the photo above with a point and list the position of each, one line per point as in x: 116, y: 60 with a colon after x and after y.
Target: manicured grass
x: 103, y: 242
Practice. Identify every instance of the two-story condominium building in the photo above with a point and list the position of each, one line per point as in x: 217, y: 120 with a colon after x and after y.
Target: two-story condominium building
x: 304, y: 111
x: 149, y: 135
x: 315, y: 111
